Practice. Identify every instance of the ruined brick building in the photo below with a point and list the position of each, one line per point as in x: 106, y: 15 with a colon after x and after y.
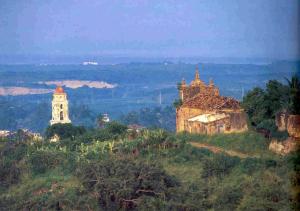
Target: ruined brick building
x: 204, y: 111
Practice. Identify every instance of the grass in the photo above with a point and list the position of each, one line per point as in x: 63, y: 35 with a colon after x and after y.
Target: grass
x: 249, y: 142
x: 186, y: 172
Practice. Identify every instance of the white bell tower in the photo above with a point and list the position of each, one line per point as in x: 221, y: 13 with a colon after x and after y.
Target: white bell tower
x: 60, y: 109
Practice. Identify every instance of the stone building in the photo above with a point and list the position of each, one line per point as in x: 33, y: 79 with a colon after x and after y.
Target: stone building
x: 60, y: 110
x: 204, y: 111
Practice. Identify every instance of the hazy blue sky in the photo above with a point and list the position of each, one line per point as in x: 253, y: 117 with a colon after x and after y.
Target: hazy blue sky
x: 208, y: 28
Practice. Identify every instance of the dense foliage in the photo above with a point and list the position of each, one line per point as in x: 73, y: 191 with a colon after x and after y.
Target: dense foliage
x: 64, y: 130
x: 109, y: 169
x: 262, y: 105
x: 154, y: 118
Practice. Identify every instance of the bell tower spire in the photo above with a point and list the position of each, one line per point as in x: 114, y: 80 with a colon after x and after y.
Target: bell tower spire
x: 60, y: 110
x: 197, y: 77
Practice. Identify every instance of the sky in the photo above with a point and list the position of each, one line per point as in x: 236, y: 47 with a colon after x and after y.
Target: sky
x: 151, y: 28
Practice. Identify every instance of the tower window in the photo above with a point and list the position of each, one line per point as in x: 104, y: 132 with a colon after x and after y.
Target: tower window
x: 61, y: 106
x: 61, y: 116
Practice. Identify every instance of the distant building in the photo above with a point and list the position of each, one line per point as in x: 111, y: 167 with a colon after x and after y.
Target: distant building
x: 136, y: 128
x: 105, y: 118
x: 60, y: 110
x: 203, y: 110
x: 4, y: 133
x: 90, y: 63
x: 21, y: 134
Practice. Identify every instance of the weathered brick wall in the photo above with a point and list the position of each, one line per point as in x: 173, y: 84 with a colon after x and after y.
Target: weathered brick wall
x: 281, y: 121
x: 182, y: 114
x: 237, y: 121
x: 293, y: 126
x: 208, y: 128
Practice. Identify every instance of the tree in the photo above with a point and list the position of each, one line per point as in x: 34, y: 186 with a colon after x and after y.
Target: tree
x: 262, y: 105
x: 116, y: 128
x: 294, y: 93
x: 253, y: 104
x: 64, y: 130
x: 177, y: 103
x: 276, y: 97
x: 124, y: 183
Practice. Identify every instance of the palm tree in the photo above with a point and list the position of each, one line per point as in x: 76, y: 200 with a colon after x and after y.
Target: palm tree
x: 294, y: 91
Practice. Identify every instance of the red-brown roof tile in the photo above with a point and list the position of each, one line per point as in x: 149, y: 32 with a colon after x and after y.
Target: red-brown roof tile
x: 211, y: 102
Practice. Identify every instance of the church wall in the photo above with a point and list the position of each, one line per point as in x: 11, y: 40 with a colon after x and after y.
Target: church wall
x: 237, y: 121
x: 210, y: 128
x: 183, y: 114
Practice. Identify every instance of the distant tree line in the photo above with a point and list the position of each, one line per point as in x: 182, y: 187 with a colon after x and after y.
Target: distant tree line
x: 153, y: 118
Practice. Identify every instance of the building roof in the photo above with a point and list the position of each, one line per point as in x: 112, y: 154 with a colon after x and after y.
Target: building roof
x: 206, y: 118
x: 211, y: 102
x: 59, y: 90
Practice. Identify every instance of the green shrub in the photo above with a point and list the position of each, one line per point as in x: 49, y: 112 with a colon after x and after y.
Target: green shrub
x: 250, y: 165
x: 219, y: 165
x: 14, y: 150
x: 228, y: 198
x: 64, y: 131
x: 116, y: 128
x: 9, y: 173
x: 121, y: 183
x: 42, y: 161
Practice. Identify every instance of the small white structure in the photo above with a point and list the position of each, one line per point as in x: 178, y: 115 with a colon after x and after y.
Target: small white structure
x: 105, y: 118
x: 55, y: 138
x: 4, y: 133
x: 60, y: 109
x: 90, y: 63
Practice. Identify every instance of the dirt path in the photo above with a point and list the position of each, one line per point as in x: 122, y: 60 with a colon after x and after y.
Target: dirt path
x: 215, y: 149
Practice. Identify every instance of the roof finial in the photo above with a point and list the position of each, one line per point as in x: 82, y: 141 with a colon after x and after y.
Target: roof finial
x: 183, y: 83
x: 211, y: 83
x: 197, y: 77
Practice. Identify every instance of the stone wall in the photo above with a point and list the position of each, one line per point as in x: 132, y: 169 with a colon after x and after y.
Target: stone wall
x: 218, y: 126
x: 293, y: 126
x: 237, y: 121
x: 183, y: 114
x: 281, y: 121
x: 289, y: 145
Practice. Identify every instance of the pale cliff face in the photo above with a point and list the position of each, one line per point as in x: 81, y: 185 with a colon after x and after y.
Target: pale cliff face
x: 74, y: 84
x: 14, y: 91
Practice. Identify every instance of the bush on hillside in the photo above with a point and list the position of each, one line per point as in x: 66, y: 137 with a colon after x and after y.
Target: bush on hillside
x: 219, y: 165
x: 42, y: 161
x: 64, y: 131
x: 123, y: 183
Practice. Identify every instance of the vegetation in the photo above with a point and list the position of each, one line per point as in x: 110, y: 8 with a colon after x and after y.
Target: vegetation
x: 107, y: 169
x: 112, y: 168
x: 153, y: 118
x: 294, y: 93
x: 263, y: 105
x: 64, y: 130
x: 177, y: 103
